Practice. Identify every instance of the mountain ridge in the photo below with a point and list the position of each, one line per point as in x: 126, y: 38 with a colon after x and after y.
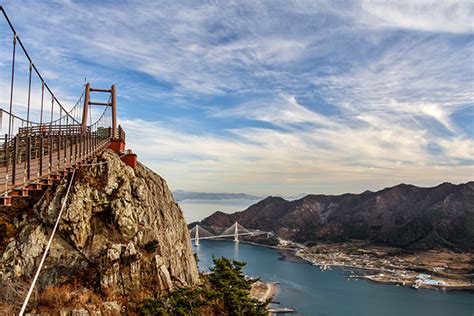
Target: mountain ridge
x: 405, y: 216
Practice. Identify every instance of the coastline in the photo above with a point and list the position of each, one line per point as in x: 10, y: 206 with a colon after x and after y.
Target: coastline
x: 264, y: 291
x: 390, y: 279
x: 380, y: 277
x: 388, y: 275
x: 307, y: 290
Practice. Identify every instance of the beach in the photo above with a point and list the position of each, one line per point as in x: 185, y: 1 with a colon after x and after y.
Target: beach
x: 263, y: 291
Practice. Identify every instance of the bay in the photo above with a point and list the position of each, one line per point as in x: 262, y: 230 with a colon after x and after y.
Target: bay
x: 324, y: 293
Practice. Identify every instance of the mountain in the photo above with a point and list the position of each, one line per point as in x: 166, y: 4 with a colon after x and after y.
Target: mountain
x: 181, y: 195
x: 295, y: 197
x: 403, y: 216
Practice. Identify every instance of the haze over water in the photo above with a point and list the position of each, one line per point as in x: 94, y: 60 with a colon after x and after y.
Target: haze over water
x: 196, y: 210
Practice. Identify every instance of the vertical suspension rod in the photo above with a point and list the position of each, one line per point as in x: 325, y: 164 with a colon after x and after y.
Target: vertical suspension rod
x: 10, y: 122
x: 17, y: 39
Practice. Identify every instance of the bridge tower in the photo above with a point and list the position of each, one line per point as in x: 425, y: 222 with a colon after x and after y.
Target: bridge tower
x: 196, y: 236
x: 117, y: 141
x: 112, y: 104
x: 236, y: 232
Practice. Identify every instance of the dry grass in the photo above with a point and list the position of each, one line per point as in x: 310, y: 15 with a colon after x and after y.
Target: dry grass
x: 12, y: 296
x: 66, y: 296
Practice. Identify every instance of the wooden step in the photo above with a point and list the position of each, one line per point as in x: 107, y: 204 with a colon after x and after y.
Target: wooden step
x: 46, y: 182
x: 34, y: 186
x: 55, y: 176
x: 5, y: 201
x: 19, y: 193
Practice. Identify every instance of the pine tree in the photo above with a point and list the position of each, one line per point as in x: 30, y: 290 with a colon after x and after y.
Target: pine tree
x: 232, y: 287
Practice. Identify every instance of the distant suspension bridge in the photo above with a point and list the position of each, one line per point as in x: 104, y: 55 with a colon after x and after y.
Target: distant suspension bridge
x: 198, y: 232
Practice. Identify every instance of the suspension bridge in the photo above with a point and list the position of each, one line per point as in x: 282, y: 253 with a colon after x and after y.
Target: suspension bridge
x: 40, y: 140
x: 235, y: 230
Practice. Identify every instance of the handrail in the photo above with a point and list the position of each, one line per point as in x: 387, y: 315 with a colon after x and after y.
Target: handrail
x: 32, y: 150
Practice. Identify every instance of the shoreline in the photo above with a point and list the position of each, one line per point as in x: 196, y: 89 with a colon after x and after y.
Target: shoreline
x: 290, y: 254
x: 286, y: 252
x: 375, y: 278
x: 372, y: 278
x: 264, y: 291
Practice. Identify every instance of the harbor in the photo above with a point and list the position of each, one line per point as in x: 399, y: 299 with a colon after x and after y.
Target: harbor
x: 427, y: 270
x: 306, y: 289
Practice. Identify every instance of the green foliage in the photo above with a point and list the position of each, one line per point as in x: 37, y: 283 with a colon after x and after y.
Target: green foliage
x: 233, y: 288
x: 188, y: 301
x: 153, y: 307
x: 263, y: 240
x: 180, y: 302
x: 226, y: 294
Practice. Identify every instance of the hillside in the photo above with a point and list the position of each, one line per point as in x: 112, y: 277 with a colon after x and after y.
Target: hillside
x: 402, y: 216
x: 122, y: 239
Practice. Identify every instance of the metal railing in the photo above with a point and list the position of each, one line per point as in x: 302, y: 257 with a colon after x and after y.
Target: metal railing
x: 39, y: 137
x: 29, y: 157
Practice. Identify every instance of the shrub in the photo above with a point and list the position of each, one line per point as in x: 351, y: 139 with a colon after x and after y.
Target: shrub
x: 226, y: 293
x: 232, y: 287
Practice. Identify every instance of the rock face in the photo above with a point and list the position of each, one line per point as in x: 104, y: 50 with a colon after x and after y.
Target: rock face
x: 404, y: 216
x: 121, y: 230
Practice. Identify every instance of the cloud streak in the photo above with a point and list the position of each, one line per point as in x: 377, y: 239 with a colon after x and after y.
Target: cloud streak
x: 275, y: 96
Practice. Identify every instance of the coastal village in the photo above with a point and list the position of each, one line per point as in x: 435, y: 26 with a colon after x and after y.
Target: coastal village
x: 434, y: 269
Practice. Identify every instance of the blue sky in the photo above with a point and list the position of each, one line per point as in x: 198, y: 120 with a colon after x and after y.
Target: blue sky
x: 271, y: 97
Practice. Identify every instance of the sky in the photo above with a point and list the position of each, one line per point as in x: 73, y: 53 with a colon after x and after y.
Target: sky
x: 269, y: 97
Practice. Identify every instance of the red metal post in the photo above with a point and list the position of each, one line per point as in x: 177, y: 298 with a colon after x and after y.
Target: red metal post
x: 114, y: 112
x: 41, y: 154
x: 15, y: 158
x: 87, y: 96
x: 28, y: 157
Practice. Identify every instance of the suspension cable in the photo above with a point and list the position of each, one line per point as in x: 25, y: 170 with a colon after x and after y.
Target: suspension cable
x: 30, y: 291
x: 43, y: 258
x: 17, y: 39
x: 29, y: 99
x: 10, y: 128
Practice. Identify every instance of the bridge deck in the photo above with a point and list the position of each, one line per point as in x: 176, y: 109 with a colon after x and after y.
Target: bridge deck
x: 49, y: 159
x: 43, y: 145
x: 38, y: 167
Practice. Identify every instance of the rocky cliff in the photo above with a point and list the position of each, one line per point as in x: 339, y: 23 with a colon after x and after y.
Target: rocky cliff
x: 122, y: 238
x: 404, y: 216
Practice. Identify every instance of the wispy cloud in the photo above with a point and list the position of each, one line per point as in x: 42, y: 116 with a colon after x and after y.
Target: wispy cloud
x: 274, y: 96
x: 423, y: 15
x: 263, y: 160
x: 281, y: 110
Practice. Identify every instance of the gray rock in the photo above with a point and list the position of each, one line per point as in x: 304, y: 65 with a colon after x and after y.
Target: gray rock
x: 113, y: 212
